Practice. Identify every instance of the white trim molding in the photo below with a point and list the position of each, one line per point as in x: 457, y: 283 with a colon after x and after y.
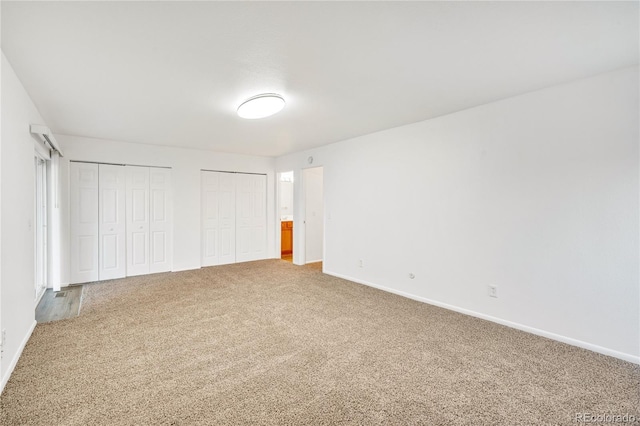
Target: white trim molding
x: 15, y: 359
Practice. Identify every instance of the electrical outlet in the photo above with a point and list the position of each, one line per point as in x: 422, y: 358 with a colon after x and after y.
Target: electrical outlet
x: 493, y: 291
x: 360, y: 263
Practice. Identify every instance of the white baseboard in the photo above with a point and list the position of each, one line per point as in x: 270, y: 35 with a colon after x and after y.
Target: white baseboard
x: 39, y: 298
x: 187, y: 269
x: 560, y: 338
x: 15, y: 359
x: 313, y: 261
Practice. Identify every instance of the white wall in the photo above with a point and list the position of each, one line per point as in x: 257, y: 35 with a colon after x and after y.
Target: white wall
x: 2, y: 59
x: 286, y: 199
x: 313, y: 212
x: 17, y: 238
x: 186, y: 165
x: 537, y: 194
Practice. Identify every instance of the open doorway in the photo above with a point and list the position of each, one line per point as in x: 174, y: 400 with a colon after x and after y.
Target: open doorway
x: 312, y: 180
x: 285, y: 183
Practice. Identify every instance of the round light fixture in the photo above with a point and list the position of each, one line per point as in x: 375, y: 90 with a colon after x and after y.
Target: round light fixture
x: 261, y: 106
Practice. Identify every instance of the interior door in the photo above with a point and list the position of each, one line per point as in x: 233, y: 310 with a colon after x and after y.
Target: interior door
x: 251, y: 217
x: 137, y: 208
x: 84, y: 222
x: 161, y: 220
x: 112, y: 222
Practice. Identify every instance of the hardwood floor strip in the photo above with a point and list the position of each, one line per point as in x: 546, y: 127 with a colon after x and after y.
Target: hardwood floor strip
x: 55, y: 306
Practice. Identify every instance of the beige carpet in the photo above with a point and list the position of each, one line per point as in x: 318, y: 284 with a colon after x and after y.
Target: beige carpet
x: 272, y: 343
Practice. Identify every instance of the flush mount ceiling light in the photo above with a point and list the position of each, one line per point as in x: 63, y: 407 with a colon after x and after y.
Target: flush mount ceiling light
x: 261, y: 106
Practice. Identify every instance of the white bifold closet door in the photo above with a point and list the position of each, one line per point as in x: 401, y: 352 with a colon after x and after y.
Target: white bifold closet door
x: 121, y: 221
x: 218, y: 218
x: 83, y: 199
x: 251, y: 217
x: 234, y: 217
x: 112, y: 222
x: 149, y: 224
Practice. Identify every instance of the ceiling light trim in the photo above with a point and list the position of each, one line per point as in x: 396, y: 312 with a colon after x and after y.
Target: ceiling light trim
x: 261, y: 106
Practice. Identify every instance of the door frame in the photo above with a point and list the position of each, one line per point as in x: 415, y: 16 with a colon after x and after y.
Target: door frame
x: 303, y: 213
x: 299, y: 215
x: 278, y: 203
x: 40, y: 226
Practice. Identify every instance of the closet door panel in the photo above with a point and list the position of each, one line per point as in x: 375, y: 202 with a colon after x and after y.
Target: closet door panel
x: 210, y: 187
x: 259, y: 219
x: 112, y: 222
x: 161, y: 220
x: 84, y: 222
x: 137, y: 207
x: 218, y: 218
x: 251, y: 217
x: 227, y: 218
x: 243, y: 218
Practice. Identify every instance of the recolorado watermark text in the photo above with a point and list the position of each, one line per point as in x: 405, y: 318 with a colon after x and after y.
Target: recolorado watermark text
x: 605, y: 418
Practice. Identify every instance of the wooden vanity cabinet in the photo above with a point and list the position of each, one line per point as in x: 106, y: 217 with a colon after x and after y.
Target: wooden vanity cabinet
x: 286, y: 245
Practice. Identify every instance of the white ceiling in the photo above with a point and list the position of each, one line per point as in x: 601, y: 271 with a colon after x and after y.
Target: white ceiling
x: 173, y: 73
